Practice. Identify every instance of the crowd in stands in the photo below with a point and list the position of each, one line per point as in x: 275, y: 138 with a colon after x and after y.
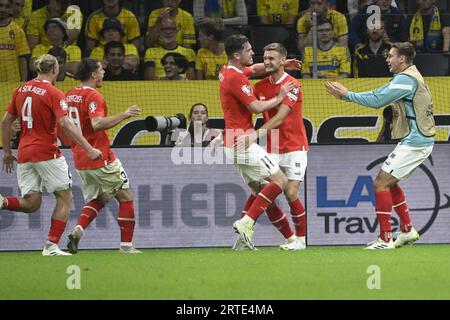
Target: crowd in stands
x: 183, y: 39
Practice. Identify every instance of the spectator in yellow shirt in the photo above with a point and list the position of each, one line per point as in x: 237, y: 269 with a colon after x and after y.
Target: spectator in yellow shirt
x: 14, y: 49
x: 71, y: 14
x: 21, y: 11
x: 333, y: 60
x: 338, y: 20
x: 56, y: 32
x: 211, y: 56
x: 113, y: 31
x: 111, y: 9
x: 153, y: 67
x: 277, y: 11
x: 184, y: 21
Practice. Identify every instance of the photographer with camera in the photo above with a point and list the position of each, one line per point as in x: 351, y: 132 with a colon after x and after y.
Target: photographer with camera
x: 198, y: 133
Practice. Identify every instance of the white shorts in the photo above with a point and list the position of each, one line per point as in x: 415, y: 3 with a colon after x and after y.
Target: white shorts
x: 293, y: 164
x: 108, y: 179
x: 54, y: 174
x: 404, y: 160
x: 254, y: 164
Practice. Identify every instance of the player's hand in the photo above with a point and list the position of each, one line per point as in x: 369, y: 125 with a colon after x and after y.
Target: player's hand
x: 95, y: 154
x: 293, y: 64
x: 164, y: 14
x: 8, y: 162
x: 15, y: 126
x: 216, y: 143
x: 244, y: 142
x: 336, y: 89
x: 133, y: 111
x: 286, y: 87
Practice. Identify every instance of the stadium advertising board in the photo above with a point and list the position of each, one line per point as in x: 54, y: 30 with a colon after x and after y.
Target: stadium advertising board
x: 341, y: 200
x: 194, y: 205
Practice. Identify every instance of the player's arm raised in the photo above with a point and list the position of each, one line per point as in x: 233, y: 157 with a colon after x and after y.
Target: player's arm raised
x: 258, y: 106
x: 104, y: 123
x: 74, y: 133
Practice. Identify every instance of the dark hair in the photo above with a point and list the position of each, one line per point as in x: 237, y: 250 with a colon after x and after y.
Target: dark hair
x: 58, y: 52
x: 197, y: 104
x: 86, y: 68
x: 405, y: 49
x: 212, y: 27
x: 112, y: 45
x: 191, y: 125
x: 322, y: 21
x: 60, y: 23
x: 278, y: 47
x: 179, y: 59
x: 235, y: 43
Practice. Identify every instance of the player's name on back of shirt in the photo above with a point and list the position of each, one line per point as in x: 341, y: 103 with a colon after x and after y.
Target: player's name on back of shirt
x: 31, y: 88
x: 74, y: 98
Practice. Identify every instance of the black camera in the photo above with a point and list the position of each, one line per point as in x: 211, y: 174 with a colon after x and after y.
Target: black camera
x: 162, y: 124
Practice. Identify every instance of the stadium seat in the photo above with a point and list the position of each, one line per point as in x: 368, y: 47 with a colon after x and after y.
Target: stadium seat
x: 265, y: 34
x: 432, y: 64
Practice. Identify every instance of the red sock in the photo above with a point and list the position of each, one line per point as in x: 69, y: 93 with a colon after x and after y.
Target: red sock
x: 279, y: 220
x: 56, y: 230
x: 383, y: 208
x: 298, y: 214
x: 126, y: 221
x: 264, y: 199
x: 399, y: 205
x: 89, y: 212
x: 248, y: 204
x: 11, y: 203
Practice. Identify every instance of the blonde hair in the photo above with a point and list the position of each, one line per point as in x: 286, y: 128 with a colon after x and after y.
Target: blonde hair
x: 278, y: 47
x: 45, y: 63
x: 405, y: 49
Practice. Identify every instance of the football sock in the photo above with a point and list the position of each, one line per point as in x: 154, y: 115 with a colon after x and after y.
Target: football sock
x: 279, y: 220
x: 11, y: 203
x: 248, y: 204
x: 298, y: 214
x: 265, y: 198
x: 89, y: 213
x: 383, y: 208
x: 56, y: 230
x: 126, y: 221
x: 400, y: 207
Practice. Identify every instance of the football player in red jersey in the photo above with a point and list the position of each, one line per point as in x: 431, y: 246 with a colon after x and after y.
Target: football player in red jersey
x: 41, y: 107
x: 239, y: 104
x: 105, y: 178
x: 289, y: 148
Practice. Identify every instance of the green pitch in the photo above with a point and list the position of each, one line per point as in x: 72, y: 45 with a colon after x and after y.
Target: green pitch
x: 414, y: 272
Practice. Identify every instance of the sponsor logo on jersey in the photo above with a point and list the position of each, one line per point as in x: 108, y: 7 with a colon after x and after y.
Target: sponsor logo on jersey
x: 246, y: 89
x: 63, y: 104
x: 92, y: 107
x: 292, y: 96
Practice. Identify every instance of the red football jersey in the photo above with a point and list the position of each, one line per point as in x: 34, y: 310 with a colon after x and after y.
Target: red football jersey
x: 292, y: 133
x: 38, y: 104
x: 236, y: 93
x: 86, y: 103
